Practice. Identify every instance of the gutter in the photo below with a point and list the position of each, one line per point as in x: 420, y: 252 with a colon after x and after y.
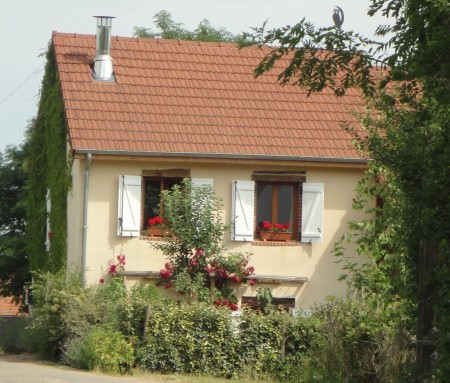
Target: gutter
x: 85, y: 211
x: 222, y: 155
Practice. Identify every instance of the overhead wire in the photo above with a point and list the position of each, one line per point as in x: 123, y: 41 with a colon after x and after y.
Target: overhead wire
x: 36, y: 71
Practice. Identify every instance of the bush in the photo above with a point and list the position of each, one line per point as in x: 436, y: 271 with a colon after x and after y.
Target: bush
x: 65, y: 311
x: 199, y: 338
x: 360, y: 339
x: 13, y: 338
x: 103, y: 349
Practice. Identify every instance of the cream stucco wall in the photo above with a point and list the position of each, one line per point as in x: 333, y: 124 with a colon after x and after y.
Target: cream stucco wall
x: 313, y: 261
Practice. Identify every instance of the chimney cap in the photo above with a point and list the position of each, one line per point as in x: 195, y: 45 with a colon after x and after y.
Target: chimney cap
x: 104, y: 21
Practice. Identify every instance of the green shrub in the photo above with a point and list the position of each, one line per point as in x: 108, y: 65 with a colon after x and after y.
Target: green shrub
x: 131, y: 310
x: 103, y: 349
x: 13, y: 337
x: 199, y: 338
x: 74, y: 353
x: 65, y: 311
x: 187, y: 338
x: 52, y: 293
x: 360, y: 339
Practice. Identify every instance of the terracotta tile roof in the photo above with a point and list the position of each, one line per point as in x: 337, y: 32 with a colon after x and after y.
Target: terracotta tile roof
x: 184, y: 97
x: 8, y: 308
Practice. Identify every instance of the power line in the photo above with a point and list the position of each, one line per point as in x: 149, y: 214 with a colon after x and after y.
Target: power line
x: 36, y: 71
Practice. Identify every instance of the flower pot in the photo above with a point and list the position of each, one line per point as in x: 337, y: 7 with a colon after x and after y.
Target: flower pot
x: 281, y: 236
x: 158, y: 231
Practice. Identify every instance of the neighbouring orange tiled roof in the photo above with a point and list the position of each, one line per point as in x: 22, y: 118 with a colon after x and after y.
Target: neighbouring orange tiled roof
x: 8, y: 308
x: 189, y: 98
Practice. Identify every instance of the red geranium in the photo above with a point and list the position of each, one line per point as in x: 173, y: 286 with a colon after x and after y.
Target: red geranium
x: 155, y: 221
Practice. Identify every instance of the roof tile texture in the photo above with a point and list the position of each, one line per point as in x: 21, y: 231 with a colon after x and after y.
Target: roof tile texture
x: 178, y: 97
x: 8, y: 308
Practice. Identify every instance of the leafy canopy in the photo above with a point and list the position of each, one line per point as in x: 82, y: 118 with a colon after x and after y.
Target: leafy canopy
x: 406, y: 84
x: 169, y: 29
x: 14, y: 269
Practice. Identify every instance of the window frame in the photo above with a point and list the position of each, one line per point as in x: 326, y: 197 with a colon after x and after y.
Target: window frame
x: 277, y: 179
x: 158, y: 175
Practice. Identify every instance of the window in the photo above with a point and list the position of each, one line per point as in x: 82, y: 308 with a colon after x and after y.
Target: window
x: 286, y: 304
x: 151, y: 196
x: 278, y: 203
x: 139, y: 197
x: 277, y: 197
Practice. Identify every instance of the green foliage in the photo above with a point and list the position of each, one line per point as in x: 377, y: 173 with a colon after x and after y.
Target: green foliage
x: 169, y: 29
x: 14, y: 268
x: 47, y: 168
x: 103, y: 349
x: 316, y: 56
x: 13, y: 336
x: 264, y: 298
x: 50, y: 323
x: 194, y: 215
x: 196, y: 245
x: 407, y: 139
x: 199, y: 338
x: 360, y: 339
x: 64, y: 312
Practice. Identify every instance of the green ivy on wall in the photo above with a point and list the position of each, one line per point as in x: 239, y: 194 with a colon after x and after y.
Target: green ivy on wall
x: 48, y: 166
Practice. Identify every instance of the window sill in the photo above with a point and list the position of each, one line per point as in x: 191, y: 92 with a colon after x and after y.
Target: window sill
x: 276, y: 243
x: 153, y: 239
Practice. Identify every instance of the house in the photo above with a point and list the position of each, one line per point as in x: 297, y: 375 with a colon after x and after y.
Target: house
x: 142, y: 114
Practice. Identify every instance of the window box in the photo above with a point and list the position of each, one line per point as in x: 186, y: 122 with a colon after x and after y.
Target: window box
x: 281, y: 236
x: 159, y: 232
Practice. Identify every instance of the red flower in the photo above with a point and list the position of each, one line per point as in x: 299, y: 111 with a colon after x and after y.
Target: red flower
x: 155, y: 221
x: 50, y: 234
x: 121, y: 259
x: 221, y: 273
x: 166, y: 274
x: 286, y: 226
x: 167, y: 285
x: 193, y: 262
x: 236, y: 278
x: 101, y: 280
x: 279, y: 226
x: 233, y: 306
x: 266, y: 225
x: 199, y: 253
x: 112, y: 269
x: 252, y: 282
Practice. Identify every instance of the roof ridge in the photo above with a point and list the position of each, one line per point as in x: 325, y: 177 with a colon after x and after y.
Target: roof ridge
x: 150, y: 40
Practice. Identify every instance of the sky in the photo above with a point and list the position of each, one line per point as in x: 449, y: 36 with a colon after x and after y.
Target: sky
x: 26, y: 27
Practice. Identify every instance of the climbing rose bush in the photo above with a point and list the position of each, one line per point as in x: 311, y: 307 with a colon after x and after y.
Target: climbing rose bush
x: 228, y: 272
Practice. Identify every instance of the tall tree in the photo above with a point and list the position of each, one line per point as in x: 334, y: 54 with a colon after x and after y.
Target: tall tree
x: 407, y: 138
x: 169, y: 29
x: 14, y: 268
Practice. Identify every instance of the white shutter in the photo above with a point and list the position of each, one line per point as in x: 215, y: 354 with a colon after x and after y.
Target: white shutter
x: 243, y: 208
x: 312, y: 212
x: 129, y: 206
x: 200, y: 182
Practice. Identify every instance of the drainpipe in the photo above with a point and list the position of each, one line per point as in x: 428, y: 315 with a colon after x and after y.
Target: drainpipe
x: 85, y: 211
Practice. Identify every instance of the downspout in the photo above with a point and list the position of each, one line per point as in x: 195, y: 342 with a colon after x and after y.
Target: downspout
x: 85, y: 211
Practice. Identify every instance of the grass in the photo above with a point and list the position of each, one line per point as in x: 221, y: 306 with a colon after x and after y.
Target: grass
x: 200, y: 379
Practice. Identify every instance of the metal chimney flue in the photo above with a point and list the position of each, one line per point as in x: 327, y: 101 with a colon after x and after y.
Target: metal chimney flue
x: 103, y: 69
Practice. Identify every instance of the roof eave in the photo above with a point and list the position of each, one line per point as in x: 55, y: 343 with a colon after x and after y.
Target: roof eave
x: 223, y: 156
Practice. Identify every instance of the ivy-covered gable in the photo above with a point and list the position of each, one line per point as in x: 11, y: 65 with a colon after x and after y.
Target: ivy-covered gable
x: 49, y: 177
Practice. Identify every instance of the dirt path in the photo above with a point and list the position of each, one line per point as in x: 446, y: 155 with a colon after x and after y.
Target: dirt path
x: 25, y: 368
